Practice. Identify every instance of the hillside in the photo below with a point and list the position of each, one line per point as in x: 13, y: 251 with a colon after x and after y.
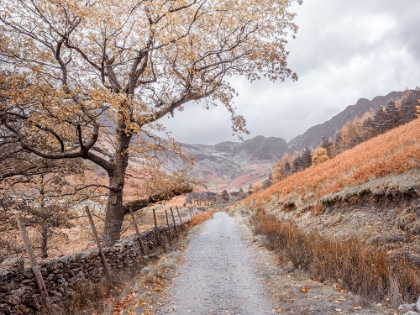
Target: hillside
x: 230, y: 165
x: 313, y: 136
x: 234, y: 164
x: 370, y: 192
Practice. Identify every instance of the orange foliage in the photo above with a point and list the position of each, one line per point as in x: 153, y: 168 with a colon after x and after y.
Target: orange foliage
x: 396, y: 151
x: 201, y: 217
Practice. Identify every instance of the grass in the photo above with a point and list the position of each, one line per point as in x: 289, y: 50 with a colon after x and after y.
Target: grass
x: 201, y: 217
x: 89, y: 296
x: 357, y: 267
x: 394, y: 152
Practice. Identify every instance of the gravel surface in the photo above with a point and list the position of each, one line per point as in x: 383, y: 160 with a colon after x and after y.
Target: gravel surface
x: 218, y: 275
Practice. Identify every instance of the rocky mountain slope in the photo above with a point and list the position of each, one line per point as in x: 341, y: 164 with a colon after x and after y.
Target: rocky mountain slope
x: 313, y: 136
x: 234, y: 164
x: 230, y: 165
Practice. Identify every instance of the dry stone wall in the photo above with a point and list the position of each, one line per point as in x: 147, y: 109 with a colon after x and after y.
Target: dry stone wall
x: 19, y: 293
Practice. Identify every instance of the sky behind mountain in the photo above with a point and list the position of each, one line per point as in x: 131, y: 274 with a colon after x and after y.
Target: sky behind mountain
x: 343, y: 51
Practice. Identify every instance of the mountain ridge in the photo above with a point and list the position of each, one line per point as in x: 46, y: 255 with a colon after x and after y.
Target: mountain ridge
x: 231, y: 165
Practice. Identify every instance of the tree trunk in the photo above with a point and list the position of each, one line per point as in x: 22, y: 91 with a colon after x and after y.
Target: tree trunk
x: 114, y: 210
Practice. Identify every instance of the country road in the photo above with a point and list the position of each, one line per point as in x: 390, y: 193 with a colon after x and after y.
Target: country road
x: 227, y: 270
x: 218, y: 275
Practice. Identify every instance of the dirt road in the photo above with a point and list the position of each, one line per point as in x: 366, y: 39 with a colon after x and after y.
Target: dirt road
x: 218, y: 275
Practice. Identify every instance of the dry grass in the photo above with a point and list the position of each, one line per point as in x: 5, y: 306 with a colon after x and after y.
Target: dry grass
x: 201, y: 217
x: 90, y: 296
x: 354, y: 265
x: 396, y: 151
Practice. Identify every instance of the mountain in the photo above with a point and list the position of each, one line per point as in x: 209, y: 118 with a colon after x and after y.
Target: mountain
x: 230, y: 165
x: 234, y: 164
x: 313, y: 136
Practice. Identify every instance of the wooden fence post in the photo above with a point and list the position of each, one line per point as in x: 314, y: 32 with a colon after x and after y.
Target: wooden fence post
x: 173, y: 220
x: 180, y: 219
x: 169, y: 226
x: 156, y: 228
x: 98, y: 243
x: 143, y: 249
x: 45, y: 298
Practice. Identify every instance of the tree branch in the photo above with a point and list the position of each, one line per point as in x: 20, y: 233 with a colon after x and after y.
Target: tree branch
x: 143, y: 203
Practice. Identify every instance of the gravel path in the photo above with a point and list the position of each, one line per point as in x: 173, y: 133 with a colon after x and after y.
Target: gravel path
x: 218, y: 275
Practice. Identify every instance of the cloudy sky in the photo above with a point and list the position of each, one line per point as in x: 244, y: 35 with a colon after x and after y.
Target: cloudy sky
x: 344, y: 50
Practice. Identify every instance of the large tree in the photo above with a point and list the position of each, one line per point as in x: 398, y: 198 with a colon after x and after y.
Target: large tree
x: 101, y: 72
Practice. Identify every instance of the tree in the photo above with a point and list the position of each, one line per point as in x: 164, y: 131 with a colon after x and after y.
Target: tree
x: 225, y: 195
x: 338, y: 147
x: 45, y: 209
x: 306, y: 158
x: 368, y: 129
x: 327, y: 145
x: 101, y: 73
x: 408, y: 107
x: 46, y: 200
x: 281, y: 169
x: 392, y: 116
x: 320, y: 156
x: 379, y: 120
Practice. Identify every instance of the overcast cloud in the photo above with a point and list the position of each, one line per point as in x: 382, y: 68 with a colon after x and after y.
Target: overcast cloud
x: 344, y: 50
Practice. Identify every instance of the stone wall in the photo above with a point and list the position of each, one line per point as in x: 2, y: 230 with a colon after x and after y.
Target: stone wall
x: 19, y: 293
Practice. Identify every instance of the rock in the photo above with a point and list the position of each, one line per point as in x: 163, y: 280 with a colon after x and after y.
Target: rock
x: 11, y: 286
x: 411, y: 313
x: 21, y: 309
x: 16, y: 296
x: 5, y: 309
x: 12, y: 263
x: 418, y: 304
x: 26, y: 281
x: 406, y: 307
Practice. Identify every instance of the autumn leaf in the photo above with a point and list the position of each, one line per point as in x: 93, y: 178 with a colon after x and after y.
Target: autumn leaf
x: 304, y: 289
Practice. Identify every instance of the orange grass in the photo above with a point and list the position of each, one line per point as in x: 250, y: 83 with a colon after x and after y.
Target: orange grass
x: 360, y: 268
x: 393, y: 152
x: 201, y: 217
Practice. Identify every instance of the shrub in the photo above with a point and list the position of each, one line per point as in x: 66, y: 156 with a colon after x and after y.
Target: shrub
x: 320, y: 156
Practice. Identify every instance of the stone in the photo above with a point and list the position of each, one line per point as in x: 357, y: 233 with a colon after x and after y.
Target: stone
x: 26, y: 281
x: 406, y: 307
x: 411, y: 313
x: 12, y: 263
x: 418, y: 304
x: 14, y: 300
x: 5, y: 309
x: 12, y: 286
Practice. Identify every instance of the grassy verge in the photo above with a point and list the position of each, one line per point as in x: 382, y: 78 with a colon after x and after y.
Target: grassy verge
x: 357, y: 267
x: 201, y: 217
